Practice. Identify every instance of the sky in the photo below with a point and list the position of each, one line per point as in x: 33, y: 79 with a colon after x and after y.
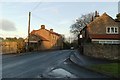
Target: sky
x: 56, y: 15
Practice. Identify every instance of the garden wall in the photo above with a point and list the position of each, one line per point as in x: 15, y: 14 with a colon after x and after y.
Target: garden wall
x: 102, y: 51
x: 12, y: 47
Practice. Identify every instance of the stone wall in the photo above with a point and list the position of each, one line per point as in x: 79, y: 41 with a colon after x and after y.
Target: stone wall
x: 11, y: 47
x: 102, y: 51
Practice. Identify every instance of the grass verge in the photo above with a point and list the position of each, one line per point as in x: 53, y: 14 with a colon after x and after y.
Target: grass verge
x: 110, y: 69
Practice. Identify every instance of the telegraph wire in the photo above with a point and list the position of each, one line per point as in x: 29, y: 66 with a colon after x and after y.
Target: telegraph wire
x: 34, y: 8
x: 39, y: 18
x: 33, y: 15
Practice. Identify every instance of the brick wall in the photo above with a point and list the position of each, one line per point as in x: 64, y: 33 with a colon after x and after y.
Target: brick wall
x: 102, y: 51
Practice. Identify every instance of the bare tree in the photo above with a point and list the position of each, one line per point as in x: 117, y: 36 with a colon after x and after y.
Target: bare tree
x: 81, y: 23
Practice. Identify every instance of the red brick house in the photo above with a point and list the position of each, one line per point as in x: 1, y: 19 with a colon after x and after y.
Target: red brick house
x: 103, y: 29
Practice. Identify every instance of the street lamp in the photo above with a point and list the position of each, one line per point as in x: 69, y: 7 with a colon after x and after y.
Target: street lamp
x: 80, y: 40
x: 81, y: 36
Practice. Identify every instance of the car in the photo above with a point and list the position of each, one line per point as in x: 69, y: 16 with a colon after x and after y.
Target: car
x: 72, y: 48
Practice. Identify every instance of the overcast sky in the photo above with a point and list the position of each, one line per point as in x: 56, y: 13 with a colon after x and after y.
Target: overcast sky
x: 56, y: 15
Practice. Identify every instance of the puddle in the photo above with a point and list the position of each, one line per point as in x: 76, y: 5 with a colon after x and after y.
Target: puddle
x: 60, y: 73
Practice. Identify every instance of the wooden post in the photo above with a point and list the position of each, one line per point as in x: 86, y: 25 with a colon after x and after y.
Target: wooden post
x: 29, y: 30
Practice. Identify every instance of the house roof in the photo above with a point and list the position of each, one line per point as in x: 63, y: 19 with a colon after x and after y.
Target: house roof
x: 105, y: 36
x: 103, y: 20
x: 33, y: 38
x: 42, y: 37
x: 33, y: 32
x: 38, y: 37
x: 53, y: 32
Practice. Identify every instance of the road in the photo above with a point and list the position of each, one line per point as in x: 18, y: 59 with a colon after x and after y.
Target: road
x: 34, y: 64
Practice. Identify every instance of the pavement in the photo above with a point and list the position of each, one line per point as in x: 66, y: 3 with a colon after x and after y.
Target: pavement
x: 86, y: 61
x: 83, y: 60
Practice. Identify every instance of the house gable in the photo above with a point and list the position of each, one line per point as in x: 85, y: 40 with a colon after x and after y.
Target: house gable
x: 100, y: 25
x: 104, y: 29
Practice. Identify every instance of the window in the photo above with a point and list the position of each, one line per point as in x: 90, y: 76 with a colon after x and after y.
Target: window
x: 116, y: 30
x: 112, y: 30
x: 108, y: 30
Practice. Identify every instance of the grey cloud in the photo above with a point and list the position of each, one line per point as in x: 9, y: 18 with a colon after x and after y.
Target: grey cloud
x: 7, y: 25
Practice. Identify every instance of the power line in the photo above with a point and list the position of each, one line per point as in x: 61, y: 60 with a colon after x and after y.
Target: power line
x: 36, y: 6
x: 40, y: 17
x: 43, y: 19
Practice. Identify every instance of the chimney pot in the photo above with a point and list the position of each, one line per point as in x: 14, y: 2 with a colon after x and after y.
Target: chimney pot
x: 92, y: 18
x: 42, y: 26
x: 96, y: 14
x: 51, y: 30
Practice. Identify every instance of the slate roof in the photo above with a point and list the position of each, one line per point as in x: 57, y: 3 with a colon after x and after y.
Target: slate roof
x: 53, y: 32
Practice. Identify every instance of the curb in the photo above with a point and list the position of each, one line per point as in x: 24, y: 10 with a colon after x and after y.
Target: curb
x: 108, y: 75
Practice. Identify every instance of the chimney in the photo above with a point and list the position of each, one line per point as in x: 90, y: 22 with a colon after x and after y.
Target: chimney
x: 92, y: 18
x: 42, y: 26
x: 96, y: 14
x: 51, y: 30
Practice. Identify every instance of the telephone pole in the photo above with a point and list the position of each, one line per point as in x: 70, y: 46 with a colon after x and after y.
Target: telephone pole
x: 29, y: 30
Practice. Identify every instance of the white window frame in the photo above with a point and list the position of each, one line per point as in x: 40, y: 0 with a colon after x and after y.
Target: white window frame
x: 111, y: 30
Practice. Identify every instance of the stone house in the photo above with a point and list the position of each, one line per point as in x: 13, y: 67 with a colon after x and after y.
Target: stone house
x: 48, y: 39
x: 103, y: 29
x: 101, y: 37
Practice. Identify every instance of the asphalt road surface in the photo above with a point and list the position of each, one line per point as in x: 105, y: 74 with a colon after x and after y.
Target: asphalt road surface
x: 32, y: 65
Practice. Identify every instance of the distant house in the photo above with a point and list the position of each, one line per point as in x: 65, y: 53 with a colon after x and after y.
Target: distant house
x: 103, y: 29
x: 48, y: 39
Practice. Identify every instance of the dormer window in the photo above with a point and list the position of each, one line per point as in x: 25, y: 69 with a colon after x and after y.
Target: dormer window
x: 112, y: 30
